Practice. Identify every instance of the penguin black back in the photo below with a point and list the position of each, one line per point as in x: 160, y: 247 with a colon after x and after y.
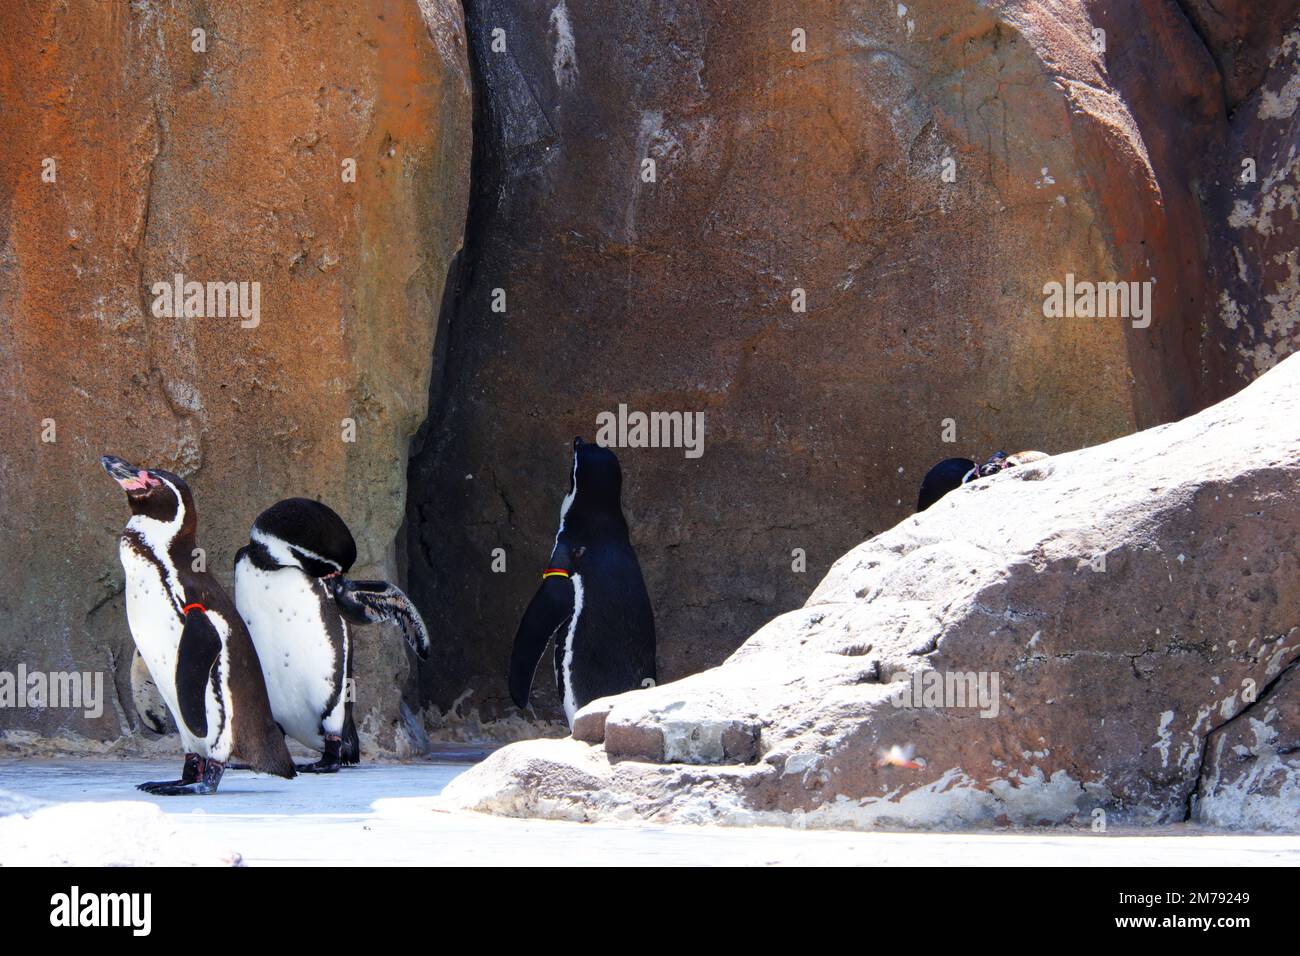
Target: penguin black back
x: 592, y: 598
x: 941, y: 479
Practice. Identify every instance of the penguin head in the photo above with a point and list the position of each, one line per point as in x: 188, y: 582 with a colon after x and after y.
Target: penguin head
x: 592, y: 509
x: 997, y: 462
x: 596, y: 480
x: 305, y: 534
x: 153, y: 494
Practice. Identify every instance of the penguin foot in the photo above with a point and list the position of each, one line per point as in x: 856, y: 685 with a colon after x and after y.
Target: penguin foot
x: 175, y: 788
x: 155, y: 786
x: 331, y: 757
x: 206, y: 778
x: 320, y: 766
x: 191, y: 773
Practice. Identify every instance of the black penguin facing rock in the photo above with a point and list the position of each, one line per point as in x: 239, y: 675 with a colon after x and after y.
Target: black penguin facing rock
x: 592, y: 598
x: 942, y: 478
x: 952, y: 473
x: 191, y: 639
x: 291, y: 593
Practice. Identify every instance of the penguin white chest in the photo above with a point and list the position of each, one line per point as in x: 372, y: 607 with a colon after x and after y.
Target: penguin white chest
x: 304, y: 670
x: 566, y: 659
x: 152, y: 615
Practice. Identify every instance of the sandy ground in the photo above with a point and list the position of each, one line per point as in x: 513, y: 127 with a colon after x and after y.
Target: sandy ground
x: 86, y: 811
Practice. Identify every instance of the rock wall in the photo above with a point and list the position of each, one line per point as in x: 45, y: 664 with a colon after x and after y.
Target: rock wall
x: 1105, y: 637
x: 1254, y: 198
x: 221, y: 155
x: 825, y: 228
x: 913, y: 173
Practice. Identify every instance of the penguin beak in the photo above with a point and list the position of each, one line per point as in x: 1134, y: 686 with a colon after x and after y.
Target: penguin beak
x: 130, y: 478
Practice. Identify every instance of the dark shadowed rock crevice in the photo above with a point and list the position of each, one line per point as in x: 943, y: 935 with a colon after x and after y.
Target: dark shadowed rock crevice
x: 1242, y: 36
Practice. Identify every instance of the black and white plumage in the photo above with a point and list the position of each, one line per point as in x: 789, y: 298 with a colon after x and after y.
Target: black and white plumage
x: 196, y: 649
x: 592, y: 599
x: 291, y: 593
x: 952, y: 473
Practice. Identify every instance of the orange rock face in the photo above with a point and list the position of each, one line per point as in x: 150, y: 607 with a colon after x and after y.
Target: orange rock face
x: 140, y: 143
x: 829, y: 231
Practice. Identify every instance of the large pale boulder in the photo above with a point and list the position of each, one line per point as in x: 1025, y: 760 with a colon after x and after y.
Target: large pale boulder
x: 1132, y: 611
x: 216, y: 140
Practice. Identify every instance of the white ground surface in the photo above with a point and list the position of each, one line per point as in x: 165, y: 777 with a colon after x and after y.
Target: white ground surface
x: 86, y: 811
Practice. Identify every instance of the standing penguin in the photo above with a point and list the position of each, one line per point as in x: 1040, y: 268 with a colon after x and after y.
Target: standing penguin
x: 592, y: 599
x: 191, y: 639
x: 290, y: 590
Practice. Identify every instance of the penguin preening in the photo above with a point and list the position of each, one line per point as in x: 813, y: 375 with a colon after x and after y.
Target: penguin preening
x: 592, y: 598
x: 196, y: 648
x: 952, y: 473
x: 291, y: 593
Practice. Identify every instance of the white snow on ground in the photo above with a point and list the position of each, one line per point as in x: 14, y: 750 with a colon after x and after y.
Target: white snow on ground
x: 86, y: 811
x: 111, y: 833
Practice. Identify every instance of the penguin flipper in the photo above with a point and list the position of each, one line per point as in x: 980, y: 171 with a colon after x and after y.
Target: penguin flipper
x: 369, y: 602
x: 548, y: 611
x: 199, y: 646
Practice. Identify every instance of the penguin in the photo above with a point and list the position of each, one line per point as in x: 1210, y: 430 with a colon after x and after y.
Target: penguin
x: 291, y: 594
x: 952, y: 473
x: 592, y: 598
x: 191, y: 639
